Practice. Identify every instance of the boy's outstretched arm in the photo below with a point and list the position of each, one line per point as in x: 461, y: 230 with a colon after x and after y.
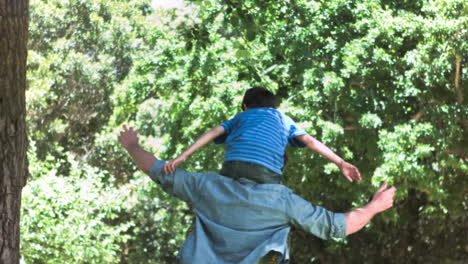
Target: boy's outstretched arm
x: 201, y: 141
x: 129, y: 140
x: 349, y: 171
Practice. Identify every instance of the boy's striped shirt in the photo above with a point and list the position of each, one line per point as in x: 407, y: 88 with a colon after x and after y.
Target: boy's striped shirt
x: 260, y: 135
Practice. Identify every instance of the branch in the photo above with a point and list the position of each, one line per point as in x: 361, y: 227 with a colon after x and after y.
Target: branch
x: 418, y: 116
x: 457, y: 79
x: 457, y: 74
x: 458, y: 152
x: 357, y: 84
x: 270, y: 69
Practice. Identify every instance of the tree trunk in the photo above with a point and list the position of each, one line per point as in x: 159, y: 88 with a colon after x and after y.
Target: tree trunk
x: 13, y: 141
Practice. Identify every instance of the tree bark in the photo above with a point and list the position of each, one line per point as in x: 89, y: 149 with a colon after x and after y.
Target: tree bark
x: 14, y: 19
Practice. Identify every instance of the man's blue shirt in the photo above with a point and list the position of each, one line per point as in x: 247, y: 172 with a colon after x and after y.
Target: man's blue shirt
x: 241, y: 221
x: 260, y: 136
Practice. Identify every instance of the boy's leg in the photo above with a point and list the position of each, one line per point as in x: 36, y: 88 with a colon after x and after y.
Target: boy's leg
x: 230, y: 170
x: 239, y: 169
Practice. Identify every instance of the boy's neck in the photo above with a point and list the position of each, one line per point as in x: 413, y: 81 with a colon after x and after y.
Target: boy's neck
x: 245, y: 108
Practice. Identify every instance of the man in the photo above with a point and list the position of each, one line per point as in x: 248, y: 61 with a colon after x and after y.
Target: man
x: 240, y: 221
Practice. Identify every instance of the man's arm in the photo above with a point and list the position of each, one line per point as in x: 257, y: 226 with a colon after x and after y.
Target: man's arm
x: 184, y: 188
x: 349, y: 171
x: 326, y: 224
x: 200, y: 142
x: 142, y: 158
x: 381, y: 201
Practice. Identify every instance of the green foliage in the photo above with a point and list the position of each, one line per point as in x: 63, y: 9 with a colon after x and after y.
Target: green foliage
x: 160, y: 224
x: 374, y: 80
x: 81, y: 217
x: 377, y: 81
x: 79, y: 51
x: 68, y: 219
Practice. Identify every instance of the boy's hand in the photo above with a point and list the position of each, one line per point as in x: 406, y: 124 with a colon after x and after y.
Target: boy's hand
x: 350, y: 172
x: 128, y: 138
x: 169, y: 167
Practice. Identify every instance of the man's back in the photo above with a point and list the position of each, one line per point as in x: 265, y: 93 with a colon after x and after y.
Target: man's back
x: 241, y: 221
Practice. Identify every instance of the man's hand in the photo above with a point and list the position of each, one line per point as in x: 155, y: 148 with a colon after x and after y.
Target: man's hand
x: 128, y: 138
x: 381, y: 201
x: 350, y: 172
x: 142, y: 158
x: 383, y: 198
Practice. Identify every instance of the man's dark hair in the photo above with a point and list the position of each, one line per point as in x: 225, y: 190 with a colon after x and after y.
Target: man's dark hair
x: 258, y: 97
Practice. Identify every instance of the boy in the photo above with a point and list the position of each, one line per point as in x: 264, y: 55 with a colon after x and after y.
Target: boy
x: 256, y: 140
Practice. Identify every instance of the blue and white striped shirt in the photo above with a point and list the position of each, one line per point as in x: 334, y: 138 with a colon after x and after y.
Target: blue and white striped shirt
x: 260, y: 136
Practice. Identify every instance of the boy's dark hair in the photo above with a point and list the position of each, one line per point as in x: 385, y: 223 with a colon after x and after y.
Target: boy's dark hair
x: 257, y: 97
